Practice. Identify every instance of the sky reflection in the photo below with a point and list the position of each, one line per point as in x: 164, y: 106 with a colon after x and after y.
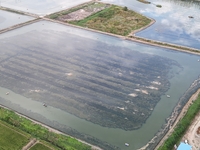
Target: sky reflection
x: 8, y: 19
x: 172, y: 22
x: 41, y: 7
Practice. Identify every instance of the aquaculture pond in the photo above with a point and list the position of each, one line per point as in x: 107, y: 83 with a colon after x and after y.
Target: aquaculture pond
x: 41, y: 7
x: 177, y: 22
x: 8, y: 19
x: 96, y: 87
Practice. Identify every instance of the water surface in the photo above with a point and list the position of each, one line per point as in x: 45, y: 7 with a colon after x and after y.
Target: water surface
x: 172, y: 24
x: 179, y: 83
x: 8, y: 19
x: 41, y: 7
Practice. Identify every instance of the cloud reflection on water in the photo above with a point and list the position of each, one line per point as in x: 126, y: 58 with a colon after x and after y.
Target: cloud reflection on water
x: 172, y: 22
x: 41, y: 7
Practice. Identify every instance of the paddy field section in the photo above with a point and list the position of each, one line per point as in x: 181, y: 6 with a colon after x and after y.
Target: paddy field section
x: 12, y: 138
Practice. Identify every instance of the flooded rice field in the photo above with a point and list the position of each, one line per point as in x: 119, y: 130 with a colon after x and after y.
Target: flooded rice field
x: 8, y: 19
x: 177, y: 21
x: 40, y: 7
x: 97, y: 87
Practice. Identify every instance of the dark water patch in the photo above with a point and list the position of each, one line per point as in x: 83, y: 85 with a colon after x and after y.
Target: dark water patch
x: 68, y: 83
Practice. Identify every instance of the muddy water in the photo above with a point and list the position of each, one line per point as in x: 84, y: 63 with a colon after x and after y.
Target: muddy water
x: 136, y: 138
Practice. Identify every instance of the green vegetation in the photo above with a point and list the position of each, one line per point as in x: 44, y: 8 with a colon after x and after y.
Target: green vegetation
x: 40, y: 132
x: 11, y: 10
x: 114, y: 20
x: 159, y: 6
x: 40, y: 146
x: 11, y: 139
x: 182, y: 126
x: 144, y: 1
x: 163, y: 44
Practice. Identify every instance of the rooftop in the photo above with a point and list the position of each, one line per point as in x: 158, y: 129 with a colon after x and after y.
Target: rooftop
x: 184, y: 146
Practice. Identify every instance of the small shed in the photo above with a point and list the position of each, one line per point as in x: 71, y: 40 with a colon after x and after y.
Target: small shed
x: 184, y: 146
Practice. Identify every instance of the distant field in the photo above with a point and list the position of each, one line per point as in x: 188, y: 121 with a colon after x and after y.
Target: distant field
x: 40, y: 146
x: 11, y: 139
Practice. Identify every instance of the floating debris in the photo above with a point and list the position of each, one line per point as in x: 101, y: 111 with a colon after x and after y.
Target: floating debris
x: 156, y: 82
x: 133, y: 95
x: 69, y: 74
x: 138, y: 90
x: 7, y: 93
x: 145, y: 92
x: 44, y: 105
x: 121, y: 108
x: 159, y: 6
x: 152, y: 87
x: 126, y: 144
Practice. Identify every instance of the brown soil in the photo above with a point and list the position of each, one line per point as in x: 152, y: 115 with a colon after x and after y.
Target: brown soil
x: 81, y: 13
x: 77, y: 15
x: 198, y: 130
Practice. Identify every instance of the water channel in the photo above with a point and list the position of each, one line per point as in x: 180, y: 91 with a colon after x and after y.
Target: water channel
x: 136, y: 138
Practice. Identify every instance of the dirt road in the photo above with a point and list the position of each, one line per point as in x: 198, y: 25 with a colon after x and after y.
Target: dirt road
x: 191, y: 134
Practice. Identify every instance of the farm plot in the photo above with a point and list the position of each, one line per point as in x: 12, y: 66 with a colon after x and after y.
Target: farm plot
x: 40, y: 146
x: 11, y: 139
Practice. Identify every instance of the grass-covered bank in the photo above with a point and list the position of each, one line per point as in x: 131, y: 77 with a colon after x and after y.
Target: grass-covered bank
x: 182, y: 126
x: 103, y: 17
x: 165, y: 44
x: 41, y: 133
x: 115, y: 19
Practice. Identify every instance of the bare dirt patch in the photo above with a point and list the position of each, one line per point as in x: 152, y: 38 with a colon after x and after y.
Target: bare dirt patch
x: 80, y: 14
x: 192, y: 135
